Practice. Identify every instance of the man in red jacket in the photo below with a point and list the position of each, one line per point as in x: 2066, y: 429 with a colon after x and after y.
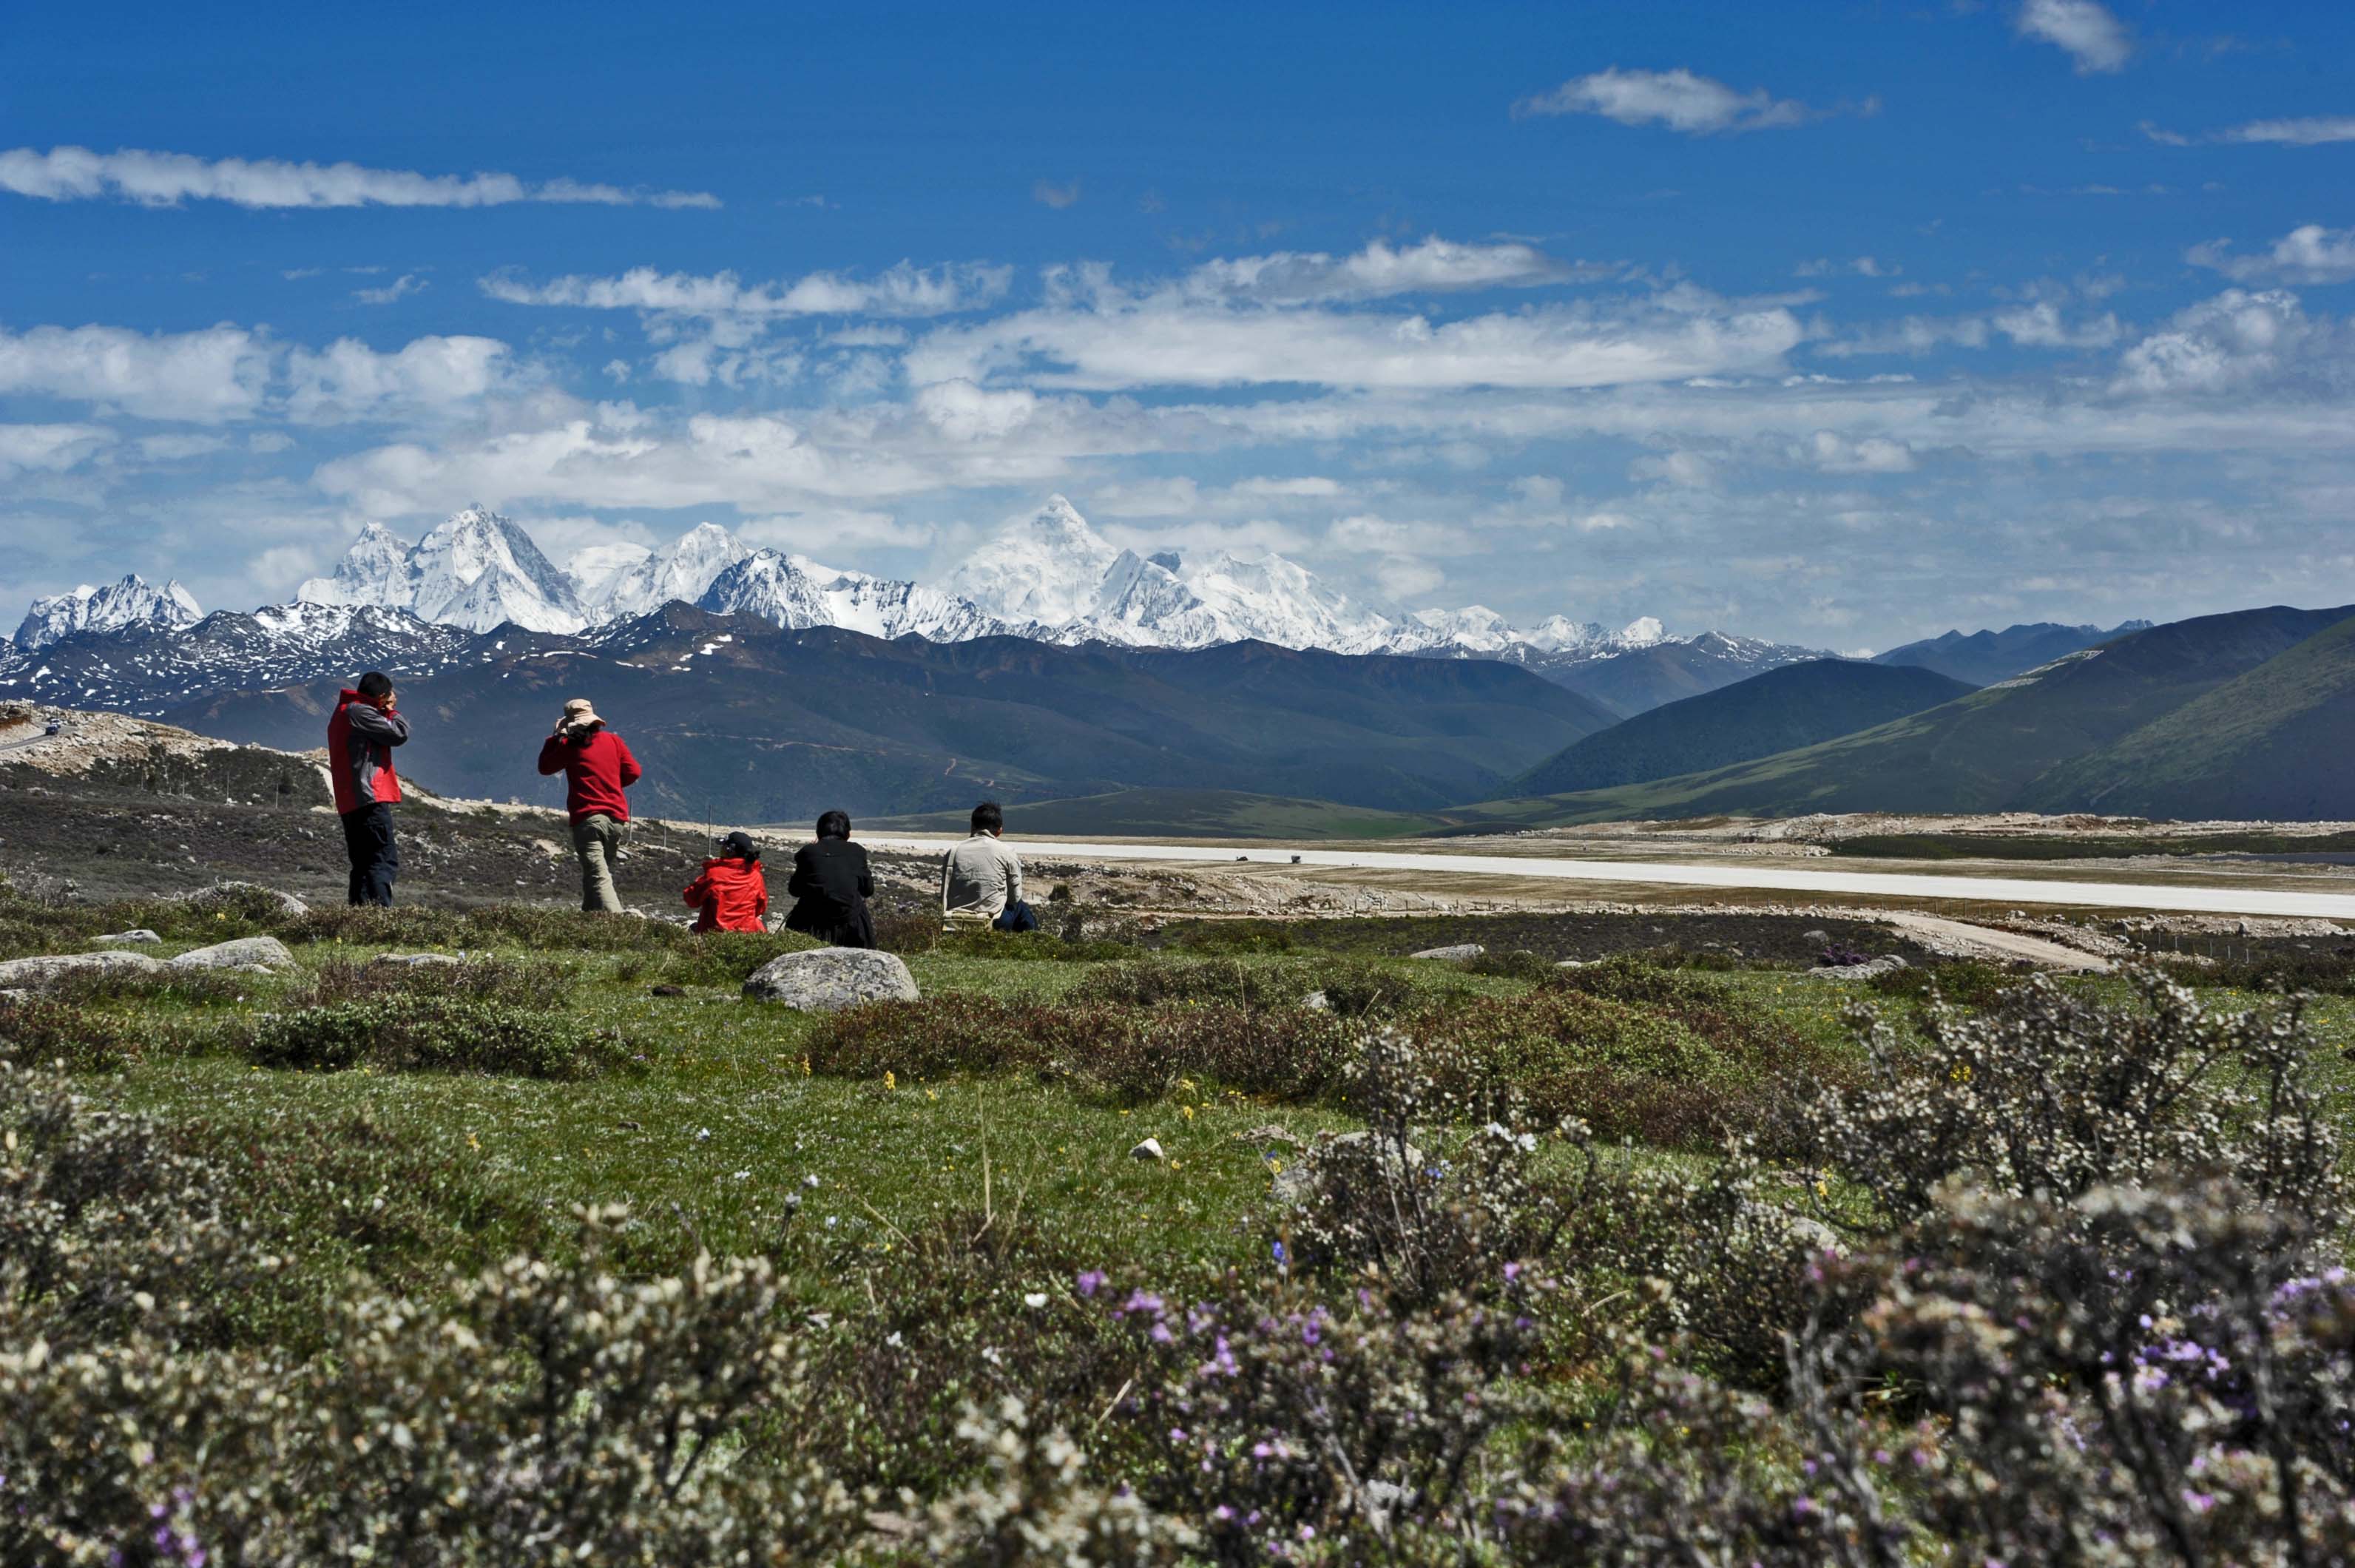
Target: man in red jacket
x: 597, y: 767
x: 361, y: 734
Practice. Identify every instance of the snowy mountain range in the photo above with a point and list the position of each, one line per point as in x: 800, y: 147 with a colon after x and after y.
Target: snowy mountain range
x: 1050, y: 577
x: 129, y: 603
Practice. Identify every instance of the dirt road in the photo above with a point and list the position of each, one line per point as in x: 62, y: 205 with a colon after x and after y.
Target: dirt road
x: 1907, y: 886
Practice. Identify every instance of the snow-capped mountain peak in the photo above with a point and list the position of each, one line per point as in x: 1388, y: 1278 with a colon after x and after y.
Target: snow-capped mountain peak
x: 1643, y: 632
x: 130, y: 602
x: 684, y: 572
x: 1048, y: 566
x: 442, y: 577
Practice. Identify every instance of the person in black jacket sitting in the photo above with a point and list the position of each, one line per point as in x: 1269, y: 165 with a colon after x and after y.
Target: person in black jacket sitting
x: 830, y: 887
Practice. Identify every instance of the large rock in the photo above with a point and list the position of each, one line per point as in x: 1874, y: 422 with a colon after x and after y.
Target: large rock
x: 245, y: 953
x: 232, y: 894
x: 828, y: 979
x: 20, y: 973
x: 1457, y: 953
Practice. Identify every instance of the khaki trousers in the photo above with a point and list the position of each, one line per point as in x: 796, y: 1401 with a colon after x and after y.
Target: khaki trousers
x: 597, y: 839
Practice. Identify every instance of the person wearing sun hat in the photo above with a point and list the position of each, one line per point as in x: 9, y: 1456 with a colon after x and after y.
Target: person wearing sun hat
x: 598, y: 769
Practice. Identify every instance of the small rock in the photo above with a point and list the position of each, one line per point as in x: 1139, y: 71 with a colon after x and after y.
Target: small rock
x: 1149, y: 1149
x: 1864, y: 971
x: 414, y: 960
x: 1455, y: 955
x: 1272, y: 1133
x: 666, y: 990
x: 140, y: 937
x: 1317, y: 1002
x: 627, y: 1126
x: 1814, y: 936
x: 826, y: 979
x: 34, y: 971
x: 244, y: 953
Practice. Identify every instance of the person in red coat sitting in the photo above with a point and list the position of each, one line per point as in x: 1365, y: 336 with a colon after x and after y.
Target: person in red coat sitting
x: 732, y: 894
x: 597, y: 767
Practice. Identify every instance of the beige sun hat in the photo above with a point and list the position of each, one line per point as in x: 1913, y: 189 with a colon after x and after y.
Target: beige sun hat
x: 580, y: 713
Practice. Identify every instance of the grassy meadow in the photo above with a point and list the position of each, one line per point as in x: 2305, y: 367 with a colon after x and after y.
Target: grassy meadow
x: 943, y: 1218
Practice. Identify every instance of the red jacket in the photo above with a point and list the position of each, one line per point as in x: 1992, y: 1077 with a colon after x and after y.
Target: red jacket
x: 360, y: 738
x: 597, y: 768
x: 732, y: 894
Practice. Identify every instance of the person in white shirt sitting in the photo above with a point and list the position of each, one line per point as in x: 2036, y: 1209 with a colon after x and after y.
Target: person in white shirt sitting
x: 981, y: 878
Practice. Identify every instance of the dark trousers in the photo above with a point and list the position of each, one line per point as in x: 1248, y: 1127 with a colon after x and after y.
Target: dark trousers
x: 375, y: 859
x: 1017, y: 916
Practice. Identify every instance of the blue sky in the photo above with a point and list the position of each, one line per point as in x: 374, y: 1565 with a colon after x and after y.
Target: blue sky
x: 1838, y: 324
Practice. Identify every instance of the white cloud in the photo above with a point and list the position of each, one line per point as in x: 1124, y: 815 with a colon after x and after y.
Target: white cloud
x: 903, y: 289
x: 166, y: 179
x: 1835, y: 454
x: 401, y: 288
x: 2311, y: 131
x: 2307, y: 254
x: 1435, y: 265
x: 51, y: 448
x: 1164, y: 341
x: 962, y: 411
x: 2234, y: 342
x: 1305, y: 487
x: 1862, y: 266
x: 1404, y: 577
x: 218, y: 373
x: 2037, y: 326
x: 1686, y: 470
x: 348, y: 381
x: 1697, y: 105
x: 1047, y: 194
x: 2095, y: 38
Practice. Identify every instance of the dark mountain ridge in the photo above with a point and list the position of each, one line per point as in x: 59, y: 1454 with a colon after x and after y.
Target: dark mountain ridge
x: 736, y: 718
x: 1781, y: 711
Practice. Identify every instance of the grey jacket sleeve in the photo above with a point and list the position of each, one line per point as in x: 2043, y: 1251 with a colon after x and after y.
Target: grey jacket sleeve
x: 375, y: 724
x: 1013, y: 878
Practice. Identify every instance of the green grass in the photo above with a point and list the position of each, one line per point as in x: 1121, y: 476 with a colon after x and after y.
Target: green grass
x: 722, y: 1138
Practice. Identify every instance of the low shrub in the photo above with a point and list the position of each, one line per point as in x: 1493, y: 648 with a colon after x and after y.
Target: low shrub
x: 1680, y: 1073
x: 719, y: 958
x: 503, y: 981
x: 1962, y: 982
x: 189, y: 986
x: 539, y: 927
x: 1127, y: 1053
x: 414, y: 1032
x: 47, y: 1031
x: 2053, y: 1093
x: 1518, y: 965
x: 2325, y: 972
x: 1351, y: 987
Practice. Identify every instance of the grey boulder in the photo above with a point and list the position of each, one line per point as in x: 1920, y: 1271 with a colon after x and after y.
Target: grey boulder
x: 826, y: 979
x: 1864, y: 971
x: 22, y: 972
x: 139, y: 938
x: 244, y: 953
x: 414, y: 960
x: 1455, y: 955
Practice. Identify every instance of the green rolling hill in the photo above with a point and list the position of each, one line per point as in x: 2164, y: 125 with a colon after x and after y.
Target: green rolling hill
x: 1987, y: 751
x: 2277, y: 744
x: 1781, y: 711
